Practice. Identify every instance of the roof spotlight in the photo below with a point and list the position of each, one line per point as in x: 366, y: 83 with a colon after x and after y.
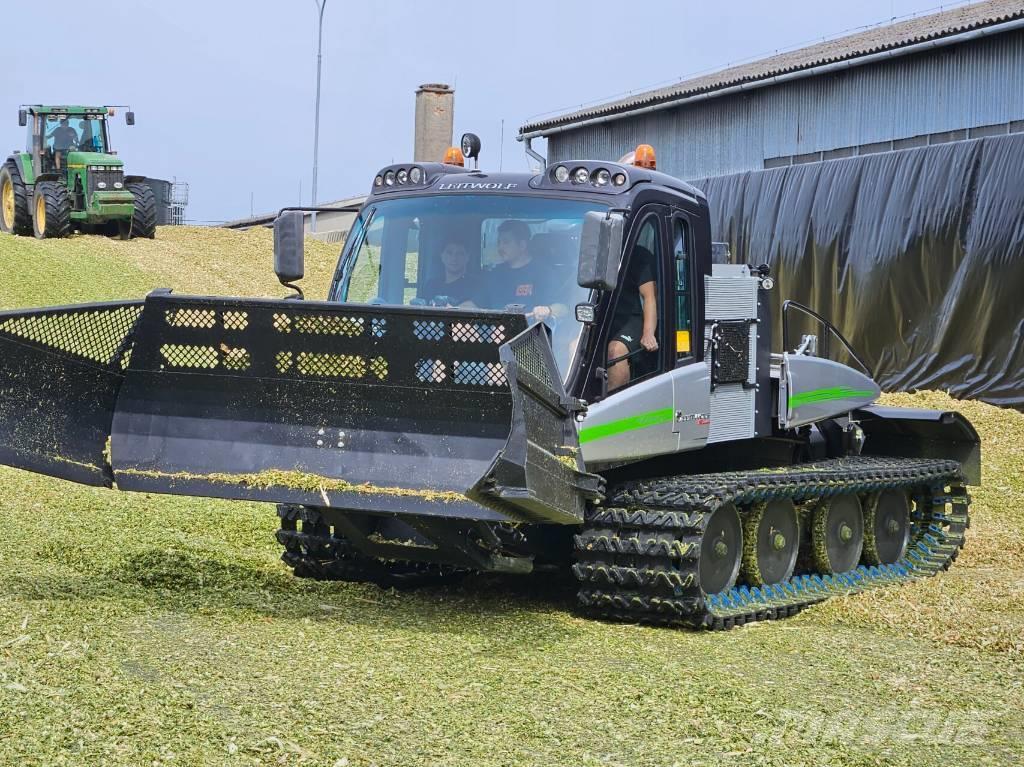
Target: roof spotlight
x: 581, y: 176
x: 470, y: 145
x: 602, y: 177
x: 619, y: 179
x: 402, y: 176
x: 416, y: 175
x: 561, y: 174
x: 389, y: 178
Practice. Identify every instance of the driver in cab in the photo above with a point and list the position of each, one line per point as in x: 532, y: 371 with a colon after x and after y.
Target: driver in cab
x: 64, y: 139
x: 521, y: 279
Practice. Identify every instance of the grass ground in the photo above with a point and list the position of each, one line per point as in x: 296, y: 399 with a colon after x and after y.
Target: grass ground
x: 149, y: 630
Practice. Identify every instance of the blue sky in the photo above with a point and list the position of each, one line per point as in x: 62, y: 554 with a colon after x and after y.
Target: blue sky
x: 224, y: 91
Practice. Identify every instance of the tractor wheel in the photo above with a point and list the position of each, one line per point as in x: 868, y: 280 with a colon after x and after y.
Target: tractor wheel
x: 52, y: 210
x: 14, y: 214
x: 144, y: 217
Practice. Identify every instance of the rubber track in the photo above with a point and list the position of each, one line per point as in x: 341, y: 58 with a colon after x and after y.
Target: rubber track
x: 636, y: 558
x: 314, y: 552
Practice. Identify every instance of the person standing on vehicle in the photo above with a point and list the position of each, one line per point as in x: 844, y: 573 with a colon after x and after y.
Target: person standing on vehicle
x: 635, y: 323
x: 65, y: 138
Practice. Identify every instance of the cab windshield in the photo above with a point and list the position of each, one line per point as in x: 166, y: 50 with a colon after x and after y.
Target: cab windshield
x: 472, y: 251
x: 68, y: 133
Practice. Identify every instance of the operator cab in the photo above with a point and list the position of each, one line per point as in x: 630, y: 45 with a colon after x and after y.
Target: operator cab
x: 440, y: 234
x: 55, y: 132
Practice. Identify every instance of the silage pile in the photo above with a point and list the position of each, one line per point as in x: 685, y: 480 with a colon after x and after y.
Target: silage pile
x: 980, y: 602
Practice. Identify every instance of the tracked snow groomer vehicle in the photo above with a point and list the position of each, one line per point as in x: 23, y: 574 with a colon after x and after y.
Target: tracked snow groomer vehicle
x: 511, y: 372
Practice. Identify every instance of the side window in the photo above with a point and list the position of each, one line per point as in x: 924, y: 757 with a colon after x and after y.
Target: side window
x: 386, y: 264
x: 635, y: 327
x: 684, y: 291
x: 33, y: 131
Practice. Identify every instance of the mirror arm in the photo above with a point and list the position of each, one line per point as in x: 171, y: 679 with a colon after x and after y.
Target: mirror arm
x: 298, y: 295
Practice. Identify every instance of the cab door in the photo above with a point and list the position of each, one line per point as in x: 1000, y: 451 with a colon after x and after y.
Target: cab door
x: 690, y: 377
x: 635, y: 419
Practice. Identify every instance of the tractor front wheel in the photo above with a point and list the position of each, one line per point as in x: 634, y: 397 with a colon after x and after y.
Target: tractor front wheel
x: 144, y: 218
x: 52, y: 210
x: 14, y: 214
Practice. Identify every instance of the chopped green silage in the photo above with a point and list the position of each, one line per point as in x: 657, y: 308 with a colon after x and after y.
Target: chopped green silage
x: 298, y: 480
x: 157, y: 630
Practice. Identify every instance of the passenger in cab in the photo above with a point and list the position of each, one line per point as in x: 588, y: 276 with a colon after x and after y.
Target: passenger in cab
x: 635, y: 323
x: 88, y: 142
x: 453, y: 287
x: 520, y: 278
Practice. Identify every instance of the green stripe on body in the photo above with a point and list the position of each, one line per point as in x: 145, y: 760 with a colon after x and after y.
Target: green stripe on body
x: 825, y: 395
x: 610, y: 429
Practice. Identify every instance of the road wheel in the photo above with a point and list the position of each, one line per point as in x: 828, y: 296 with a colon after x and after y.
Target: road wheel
x: 144, y: 218
x: 837, y: 534
x: 771, y: 541
x: 886, y: 527
x: 52, y: 210
x: 721, y: 550
x: 14, y: 214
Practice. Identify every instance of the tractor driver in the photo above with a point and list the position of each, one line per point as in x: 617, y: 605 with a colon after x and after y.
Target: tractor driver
x: 519, y: 278
x: 636, y: 317
x: 64, y: 138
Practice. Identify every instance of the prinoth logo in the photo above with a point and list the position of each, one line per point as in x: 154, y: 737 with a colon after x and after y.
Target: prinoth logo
x: 486, y: 186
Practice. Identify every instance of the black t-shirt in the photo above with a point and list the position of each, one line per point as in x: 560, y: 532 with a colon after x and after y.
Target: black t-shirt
x: 529, y: 285
x: 63, y: 138
x: 458, y: 291
x: 642, y: 269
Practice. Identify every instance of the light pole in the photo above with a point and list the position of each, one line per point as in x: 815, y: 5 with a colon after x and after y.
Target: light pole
x: 320, y: 6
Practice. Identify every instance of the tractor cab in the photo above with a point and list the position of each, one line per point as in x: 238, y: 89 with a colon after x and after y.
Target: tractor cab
x: 55, y: 133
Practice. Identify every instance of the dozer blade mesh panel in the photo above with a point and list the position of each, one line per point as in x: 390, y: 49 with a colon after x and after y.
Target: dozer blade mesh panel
x: 333, y: 405
x: 539, y: 474
x: 60, y: 372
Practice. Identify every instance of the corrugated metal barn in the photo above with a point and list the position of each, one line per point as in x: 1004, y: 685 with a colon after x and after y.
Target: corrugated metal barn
x: 880, y: 175
x: 949, y: 76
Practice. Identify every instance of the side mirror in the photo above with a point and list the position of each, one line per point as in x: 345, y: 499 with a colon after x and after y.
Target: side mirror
x: 129, y: 117
x: 289, y: 241
x: 586, y: 314
x: 600, y: 250
x: 22, y: 117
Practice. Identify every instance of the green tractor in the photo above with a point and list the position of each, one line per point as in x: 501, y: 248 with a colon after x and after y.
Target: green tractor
x: 69, y: 178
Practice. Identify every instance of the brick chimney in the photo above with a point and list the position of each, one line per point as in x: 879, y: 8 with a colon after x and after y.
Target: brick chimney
x: 435, y: 115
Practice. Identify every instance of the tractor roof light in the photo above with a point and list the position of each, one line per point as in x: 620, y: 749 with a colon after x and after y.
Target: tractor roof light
x: 561, y: 174
x: 416, y: 175
x: 644, y: 157
x: 389, y: 178
x: 402, y: 176
x: 453, y: 156
x: 580, y: 176
x: 602, y: 177
x: 619, y: 179
x: 379, y: 181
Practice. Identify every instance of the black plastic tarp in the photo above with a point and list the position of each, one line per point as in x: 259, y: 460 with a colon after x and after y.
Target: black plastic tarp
x: 916, y: 256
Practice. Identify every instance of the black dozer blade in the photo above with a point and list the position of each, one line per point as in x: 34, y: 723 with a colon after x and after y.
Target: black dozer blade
x: 380, y: 409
